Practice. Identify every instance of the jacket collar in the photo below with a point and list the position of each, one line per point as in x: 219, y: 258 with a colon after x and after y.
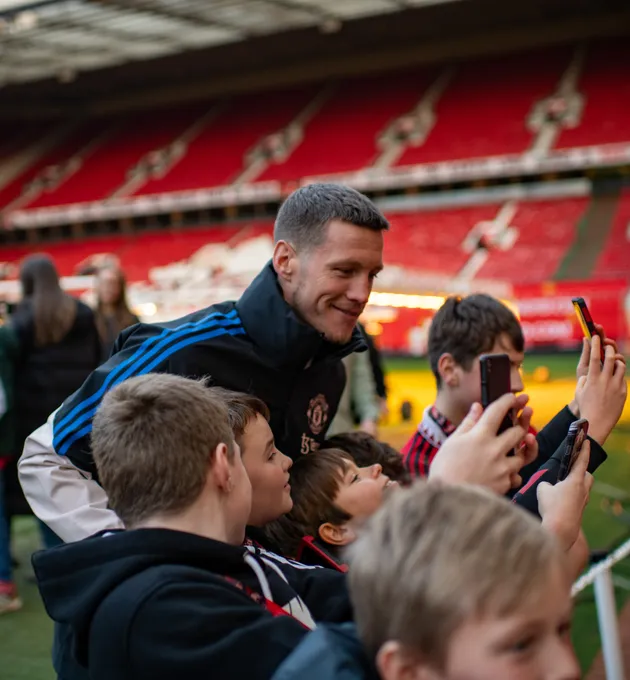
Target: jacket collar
x: 282, y: 338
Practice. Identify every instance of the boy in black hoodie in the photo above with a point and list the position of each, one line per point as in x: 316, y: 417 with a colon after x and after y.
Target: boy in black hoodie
x: 177, y: 593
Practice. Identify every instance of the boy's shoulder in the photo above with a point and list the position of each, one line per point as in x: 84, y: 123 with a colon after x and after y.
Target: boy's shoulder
x: 332, y: 651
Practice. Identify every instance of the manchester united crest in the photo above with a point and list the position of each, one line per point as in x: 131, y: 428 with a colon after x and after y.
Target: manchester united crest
x: 317, y: 413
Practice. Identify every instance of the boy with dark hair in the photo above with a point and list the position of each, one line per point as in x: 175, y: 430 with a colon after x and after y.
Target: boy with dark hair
x: 177, y: 593
x: 367, y: 450
x: 465, y: 328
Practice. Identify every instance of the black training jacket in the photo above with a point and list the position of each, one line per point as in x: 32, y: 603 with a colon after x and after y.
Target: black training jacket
x: 256, y: 345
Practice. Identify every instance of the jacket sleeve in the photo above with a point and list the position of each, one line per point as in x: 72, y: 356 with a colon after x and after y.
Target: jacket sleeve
x: 324, y: 591
x: 194, y: 631
x: 527, y: 496
x: 549, y: 440
x: 64, y: 497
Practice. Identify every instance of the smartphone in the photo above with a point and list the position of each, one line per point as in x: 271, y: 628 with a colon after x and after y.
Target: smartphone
x: 573, y: 445
x: 586, y: 321
x: 495, y: 382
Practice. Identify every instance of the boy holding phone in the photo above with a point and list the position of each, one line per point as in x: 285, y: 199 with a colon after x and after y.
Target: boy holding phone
x: 465, y: 328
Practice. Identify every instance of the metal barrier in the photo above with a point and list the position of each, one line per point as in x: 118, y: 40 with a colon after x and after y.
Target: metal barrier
x: 600, y: 576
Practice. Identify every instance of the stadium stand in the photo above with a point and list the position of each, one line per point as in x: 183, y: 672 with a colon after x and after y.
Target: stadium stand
x: 605, y: 83
x: 484, y: 109
x: 217, y: 156
x: 223, y: 135
x: 545, y: 232
x: 52, y: 164
x: 123, y: 143
x: 342, y: 136
x: 614, y: 261
x: 432, y: 240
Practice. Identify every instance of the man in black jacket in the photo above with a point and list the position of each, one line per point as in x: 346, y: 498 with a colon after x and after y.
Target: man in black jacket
x: 282, y: 341
x: 177, y: 594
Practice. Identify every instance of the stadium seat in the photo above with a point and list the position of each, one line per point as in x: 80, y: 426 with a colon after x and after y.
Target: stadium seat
x: 431, y: 240
x: 343, y: 136
x: 605, y: 84
x: 546, y: 229
x: 614, y: 261
x: 483, y: 111
x: 217, y: 155
x: 125, y: 142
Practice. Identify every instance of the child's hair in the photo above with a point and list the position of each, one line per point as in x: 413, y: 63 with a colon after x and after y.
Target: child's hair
x: 434, y: 556
x: 242, y: 409
x: 366, y: 450
x: 315, y: 482
x: 153, y: 437
x: 467, y: 327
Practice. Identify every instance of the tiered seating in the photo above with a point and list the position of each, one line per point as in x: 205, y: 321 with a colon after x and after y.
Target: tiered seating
x: 81, y: 136
x: 431, y: 241
x: 483, y: 111
x: 216, y: 156
x: 105, y: 169
x: 139, y: 254
x: 546, y: 230
x: 614, y: 261
x: 342, y: 136
x: 605, y: 83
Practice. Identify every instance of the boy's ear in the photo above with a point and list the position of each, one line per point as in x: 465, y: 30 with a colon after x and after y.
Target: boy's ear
x: 394, y: 662
x: 220, y: 468
x: 284, y: 260
x: 336, y: 534
x: 448, y: 369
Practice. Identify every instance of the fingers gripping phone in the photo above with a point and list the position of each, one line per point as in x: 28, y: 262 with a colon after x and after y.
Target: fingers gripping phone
x: 495, y: 382
x: 586, y: 322
x: 573, y: 445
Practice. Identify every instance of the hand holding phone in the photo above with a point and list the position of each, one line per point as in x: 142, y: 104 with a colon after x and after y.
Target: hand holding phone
x: 587, y: 323
x: 578, y: 431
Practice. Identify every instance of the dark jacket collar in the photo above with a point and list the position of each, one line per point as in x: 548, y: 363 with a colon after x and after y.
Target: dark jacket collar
x: 282, y: 338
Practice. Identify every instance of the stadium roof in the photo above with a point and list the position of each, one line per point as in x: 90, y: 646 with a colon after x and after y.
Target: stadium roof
x: 60, y: 38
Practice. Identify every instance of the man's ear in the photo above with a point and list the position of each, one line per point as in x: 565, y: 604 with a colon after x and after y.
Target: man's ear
x: 220, y: 468
x: 336, y: 534
x: 284, y: 260
x: 448, y: 369
x: 394, y: 662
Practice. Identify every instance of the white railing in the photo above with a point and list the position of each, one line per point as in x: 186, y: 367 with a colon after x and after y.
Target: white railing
x: 600, y: 576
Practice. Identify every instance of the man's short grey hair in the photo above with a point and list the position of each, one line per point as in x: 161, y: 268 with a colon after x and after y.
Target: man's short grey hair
x: 304, y: 217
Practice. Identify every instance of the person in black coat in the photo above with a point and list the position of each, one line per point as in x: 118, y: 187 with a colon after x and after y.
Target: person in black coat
x: 58, y: 347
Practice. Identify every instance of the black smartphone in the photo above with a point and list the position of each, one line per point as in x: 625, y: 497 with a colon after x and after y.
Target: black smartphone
x: 495, y: 382
x: 586, y: 322
x: 572, y: 446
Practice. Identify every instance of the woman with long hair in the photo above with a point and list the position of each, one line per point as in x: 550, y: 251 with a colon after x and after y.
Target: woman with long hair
x: 112, y: 310
x: 58, y: 348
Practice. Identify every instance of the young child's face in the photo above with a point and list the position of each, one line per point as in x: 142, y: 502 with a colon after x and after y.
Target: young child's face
x: 268, y: 471
x: 531, y: 643
x: 468, y: 387
x: 361, y: 490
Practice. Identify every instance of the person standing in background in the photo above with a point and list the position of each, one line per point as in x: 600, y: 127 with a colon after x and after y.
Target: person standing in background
x: 378, y: 369
x: 112, y: 310
x: 58, y: 347
x: 9, y: 599
x: 359, y: 398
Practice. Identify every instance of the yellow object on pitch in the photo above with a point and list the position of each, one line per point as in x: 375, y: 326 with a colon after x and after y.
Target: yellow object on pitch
x: 541, y: 374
